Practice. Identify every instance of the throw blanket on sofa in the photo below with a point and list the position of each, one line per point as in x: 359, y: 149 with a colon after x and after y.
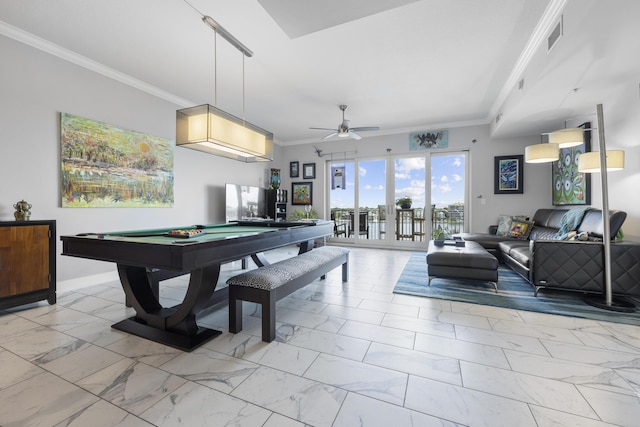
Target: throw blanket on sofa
x: 570, y: 221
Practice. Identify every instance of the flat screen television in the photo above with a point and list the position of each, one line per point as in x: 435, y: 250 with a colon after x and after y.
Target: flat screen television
x: 244, y: 202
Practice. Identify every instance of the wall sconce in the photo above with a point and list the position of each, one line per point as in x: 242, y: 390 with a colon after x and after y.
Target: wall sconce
x: 209, y: 129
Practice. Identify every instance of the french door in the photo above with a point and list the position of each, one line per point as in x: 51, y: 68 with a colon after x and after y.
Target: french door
x: 364, y: 208
x: 363, y: 193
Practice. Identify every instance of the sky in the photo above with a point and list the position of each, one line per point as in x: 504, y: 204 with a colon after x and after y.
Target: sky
x: 446, y: 181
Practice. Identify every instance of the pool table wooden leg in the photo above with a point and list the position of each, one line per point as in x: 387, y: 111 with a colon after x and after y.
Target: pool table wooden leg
x: 174, y: 326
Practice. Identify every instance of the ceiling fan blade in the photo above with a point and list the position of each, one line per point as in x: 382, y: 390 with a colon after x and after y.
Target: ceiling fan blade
x: 325, y: 129
x: 366, y: 128
x: 330, y: 135
x: 354, y: 136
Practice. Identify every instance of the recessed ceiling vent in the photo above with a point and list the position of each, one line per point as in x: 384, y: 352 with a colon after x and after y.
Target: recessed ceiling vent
x: 555, y: 36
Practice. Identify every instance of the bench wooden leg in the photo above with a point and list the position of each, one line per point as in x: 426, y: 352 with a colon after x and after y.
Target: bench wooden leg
x: 235, y: 311
x: 345, y: 269
x: 269, y: 317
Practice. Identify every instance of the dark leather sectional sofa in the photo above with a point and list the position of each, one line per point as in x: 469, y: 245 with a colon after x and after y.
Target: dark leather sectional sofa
x: 547, y: 262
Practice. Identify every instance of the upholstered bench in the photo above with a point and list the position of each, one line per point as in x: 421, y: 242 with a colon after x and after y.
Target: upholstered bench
x: 469, y: 262
x: 268, y: 284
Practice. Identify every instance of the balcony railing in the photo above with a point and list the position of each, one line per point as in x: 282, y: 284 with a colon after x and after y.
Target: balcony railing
x: 409, y: 224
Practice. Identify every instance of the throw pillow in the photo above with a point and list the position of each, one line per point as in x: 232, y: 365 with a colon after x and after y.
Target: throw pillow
x: 504, y: 224
x: 520, y: 229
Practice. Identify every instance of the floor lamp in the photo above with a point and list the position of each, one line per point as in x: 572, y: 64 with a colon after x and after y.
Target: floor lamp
x: 592, y: 162
x: 602, y: 162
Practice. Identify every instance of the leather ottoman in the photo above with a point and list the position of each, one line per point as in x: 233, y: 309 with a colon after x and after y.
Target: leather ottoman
x: 469, y: 262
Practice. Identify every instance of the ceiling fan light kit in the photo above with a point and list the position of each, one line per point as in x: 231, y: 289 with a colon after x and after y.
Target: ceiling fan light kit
x: 344, y: 131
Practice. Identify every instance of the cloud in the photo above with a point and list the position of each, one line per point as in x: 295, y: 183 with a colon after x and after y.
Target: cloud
x: 456, y: 177
x: 444, y: 178
x: 362, y: 171
x: 409, y: 164
x: 446, y: 188
x: 373, y: 187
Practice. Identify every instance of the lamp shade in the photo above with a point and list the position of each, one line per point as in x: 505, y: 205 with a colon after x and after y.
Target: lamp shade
x: 566, y: 138
x: 541, y: 153
x: 209, y: 129
x: 590, y: 162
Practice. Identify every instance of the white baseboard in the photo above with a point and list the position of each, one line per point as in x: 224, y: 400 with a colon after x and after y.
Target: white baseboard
x: 83, y: 282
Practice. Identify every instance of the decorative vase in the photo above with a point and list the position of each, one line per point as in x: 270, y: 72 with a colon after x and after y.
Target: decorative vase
x: 405, y: 206
x: 274, y: 181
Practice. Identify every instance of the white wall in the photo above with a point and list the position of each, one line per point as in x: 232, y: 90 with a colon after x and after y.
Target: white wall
x: 622, y: 132
x: 34, y: 88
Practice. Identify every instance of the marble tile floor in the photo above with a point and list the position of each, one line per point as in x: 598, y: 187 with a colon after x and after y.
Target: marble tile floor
x: 350, y: 354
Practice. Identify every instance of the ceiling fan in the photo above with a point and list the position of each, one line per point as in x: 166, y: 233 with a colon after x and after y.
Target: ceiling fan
x: 344, y: 130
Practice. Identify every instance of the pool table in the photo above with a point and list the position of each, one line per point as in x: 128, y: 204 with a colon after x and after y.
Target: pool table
x: 146, y: 257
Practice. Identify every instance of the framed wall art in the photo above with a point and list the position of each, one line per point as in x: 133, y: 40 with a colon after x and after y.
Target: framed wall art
x: 309, y: 171
x: 508, y: 177
x: 570, y: 187
x: 103, y: 165
x: 294, y: 169
x: 302, y: 193
x: 428, y: 139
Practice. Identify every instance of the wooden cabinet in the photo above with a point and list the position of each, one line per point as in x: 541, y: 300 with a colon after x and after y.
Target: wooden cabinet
x: 277, y: 204
x: 27, y: 262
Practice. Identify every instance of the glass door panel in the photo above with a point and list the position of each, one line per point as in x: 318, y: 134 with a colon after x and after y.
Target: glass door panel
x: 409, y: 186
x: 448, y: 194
x: 342, y: 198
x: 372, y: 199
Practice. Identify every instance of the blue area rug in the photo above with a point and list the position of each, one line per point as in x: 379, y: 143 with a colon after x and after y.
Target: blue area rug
x: 513, y: 292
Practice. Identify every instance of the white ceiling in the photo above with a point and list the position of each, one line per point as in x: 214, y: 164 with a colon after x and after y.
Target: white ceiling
x: 401, y: 65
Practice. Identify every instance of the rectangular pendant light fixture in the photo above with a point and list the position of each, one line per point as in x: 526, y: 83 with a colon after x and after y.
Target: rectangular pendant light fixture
x: 212, y: 130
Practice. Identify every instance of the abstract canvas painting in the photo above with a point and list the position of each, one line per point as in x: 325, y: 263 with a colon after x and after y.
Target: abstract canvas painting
x: 106, y: 166
x: 570, y: 187
x: 425, y: 140
x: 508, y: 177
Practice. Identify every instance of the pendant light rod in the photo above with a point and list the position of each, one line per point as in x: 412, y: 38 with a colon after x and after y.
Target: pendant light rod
x: 215, y: 68
x: 226, y: 35
x: 211, y: 23
x: 243, y: 97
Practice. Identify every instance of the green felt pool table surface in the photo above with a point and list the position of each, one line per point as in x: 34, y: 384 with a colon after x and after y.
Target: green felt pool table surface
x: 209, y: 232
x: 155, y: 248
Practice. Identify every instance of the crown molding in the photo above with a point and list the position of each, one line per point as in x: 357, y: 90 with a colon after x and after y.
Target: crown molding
x: 539, y: 35
x: 82, y: 61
